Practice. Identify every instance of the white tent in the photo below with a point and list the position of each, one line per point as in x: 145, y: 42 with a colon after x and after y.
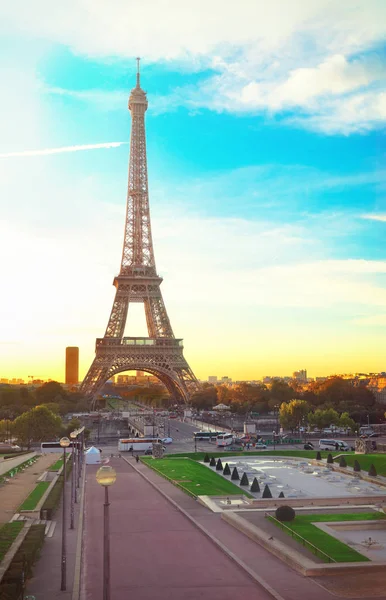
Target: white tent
x: 93, y: 456
x: 221, y: 407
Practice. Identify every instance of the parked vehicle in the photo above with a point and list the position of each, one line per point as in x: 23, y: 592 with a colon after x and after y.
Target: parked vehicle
x: 308, y: 446
x: 260, y: 446
x: 333, y: 445
x: 167, y: 440
x: 224, y: 439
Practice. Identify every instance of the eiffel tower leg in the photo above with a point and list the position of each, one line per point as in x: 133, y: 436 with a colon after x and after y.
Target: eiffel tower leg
x: 157, y: 319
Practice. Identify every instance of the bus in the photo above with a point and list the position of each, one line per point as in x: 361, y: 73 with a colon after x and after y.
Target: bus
x: 47, y: 447
x: 206, y: 435
x: 137, y: 444
x: 224, y: 439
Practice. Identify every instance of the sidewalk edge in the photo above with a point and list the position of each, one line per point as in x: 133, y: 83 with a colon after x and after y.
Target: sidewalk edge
x: 79, y: 544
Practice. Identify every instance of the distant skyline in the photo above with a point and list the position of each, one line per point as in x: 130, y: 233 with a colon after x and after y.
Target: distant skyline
x: 267, y: 177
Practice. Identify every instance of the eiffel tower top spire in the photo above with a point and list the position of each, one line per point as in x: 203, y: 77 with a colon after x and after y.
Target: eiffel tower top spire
x: 137, y: 254
x: 138, y: 75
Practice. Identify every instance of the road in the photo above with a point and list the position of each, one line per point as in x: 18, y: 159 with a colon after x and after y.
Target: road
x: 156, y: 552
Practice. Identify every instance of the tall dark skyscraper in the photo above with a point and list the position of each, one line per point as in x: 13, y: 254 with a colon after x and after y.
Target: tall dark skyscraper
x: 72, y: 365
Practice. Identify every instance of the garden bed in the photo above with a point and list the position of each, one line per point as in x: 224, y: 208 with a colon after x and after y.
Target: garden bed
x: 337, y: 550
x: 33, y: 499
x: 8, y: 534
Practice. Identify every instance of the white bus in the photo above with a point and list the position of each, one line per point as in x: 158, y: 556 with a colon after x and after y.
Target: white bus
x: 46, y: 447
x: 137, y: 444
x: 224, y: 439
x: 333, y: 445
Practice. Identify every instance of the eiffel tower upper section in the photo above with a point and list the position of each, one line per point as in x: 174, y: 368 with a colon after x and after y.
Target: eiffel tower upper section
x: 138, y: 281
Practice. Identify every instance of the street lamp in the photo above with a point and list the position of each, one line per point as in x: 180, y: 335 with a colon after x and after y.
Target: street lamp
x: 106, y: 476
x: 64, y: 443
x: 274, y: 439
x: 73, y: 436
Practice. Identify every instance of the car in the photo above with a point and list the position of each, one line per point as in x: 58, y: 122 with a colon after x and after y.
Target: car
x: 167, y: 440
x: 260, y: 446
x: 373, y: 434
x: 308, y: 446
x: 149, y: 451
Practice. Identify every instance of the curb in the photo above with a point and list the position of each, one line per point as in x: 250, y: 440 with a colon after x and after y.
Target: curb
x: 213, y: 539
x: 79, y: 545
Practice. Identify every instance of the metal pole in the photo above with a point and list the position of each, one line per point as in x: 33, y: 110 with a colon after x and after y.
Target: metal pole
x: 106, y: 547
x: 63, y: 586
x: 72, y: 490
x: 75, y: 467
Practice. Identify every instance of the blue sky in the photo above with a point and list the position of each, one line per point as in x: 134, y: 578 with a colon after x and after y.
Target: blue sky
x: 266, y: 152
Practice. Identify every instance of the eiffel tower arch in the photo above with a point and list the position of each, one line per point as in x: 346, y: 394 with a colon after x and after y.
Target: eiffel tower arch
x: 160, y: 354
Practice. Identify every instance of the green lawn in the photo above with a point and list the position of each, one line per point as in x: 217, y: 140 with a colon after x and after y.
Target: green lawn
x: 32, y: 500
x: 8, y: 533
x: 366, y: 460
x: 218, y: 453
x: 193, y: 478
x: 340, y: 552
x: 57, y: 465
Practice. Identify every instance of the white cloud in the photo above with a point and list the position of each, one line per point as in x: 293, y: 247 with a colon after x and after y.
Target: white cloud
x: 375, y: 217
x: 372, y: 320
x: 285, y: 55
x: 49, y: 151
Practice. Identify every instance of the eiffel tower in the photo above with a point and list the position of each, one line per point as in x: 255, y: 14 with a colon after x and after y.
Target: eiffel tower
x: 160, y: 354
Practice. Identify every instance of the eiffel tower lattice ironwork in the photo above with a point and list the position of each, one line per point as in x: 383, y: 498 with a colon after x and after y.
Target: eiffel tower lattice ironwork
x: 160, y: 354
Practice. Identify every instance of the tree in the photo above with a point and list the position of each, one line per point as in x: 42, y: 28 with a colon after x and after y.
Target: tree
x: 36, y: 425
x: 281, y: 392
x: 204, y: 398
x: 51, y: 391
x: 292, y: 413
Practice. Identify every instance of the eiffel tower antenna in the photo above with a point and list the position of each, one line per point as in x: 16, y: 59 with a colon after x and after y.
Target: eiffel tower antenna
x: 160, y: 354
x: 138, y: 73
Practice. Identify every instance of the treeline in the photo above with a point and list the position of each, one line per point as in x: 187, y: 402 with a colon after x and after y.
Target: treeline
x: 333, y: 393
x: 14, y: 401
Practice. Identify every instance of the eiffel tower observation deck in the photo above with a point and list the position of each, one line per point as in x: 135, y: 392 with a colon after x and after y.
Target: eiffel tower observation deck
x: 160, y: 354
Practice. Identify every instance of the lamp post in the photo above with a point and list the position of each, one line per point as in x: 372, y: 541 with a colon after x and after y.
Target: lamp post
x: 106, y: 476
x: 64, y: 443
x: 73, y: 436
x: 274, y: 440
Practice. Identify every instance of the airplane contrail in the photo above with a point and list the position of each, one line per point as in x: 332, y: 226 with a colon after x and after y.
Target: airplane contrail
x: 60, y: 150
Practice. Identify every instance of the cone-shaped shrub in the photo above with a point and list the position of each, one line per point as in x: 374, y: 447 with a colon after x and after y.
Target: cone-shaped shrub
x: 226, y: 470
x: 267, y: 492
x: 255, y: 486
x: 285, y: 513
x: 281, y: 495
x: 219, y: 466
x: 342, y: 462
x: 373, y: 471
x: 330, y: 460
x: 357, y: 466
x: 244, y: 479
x: 235, y: 474
x: 318, y: 456
x: 212, y: 462
x: 206, y: 458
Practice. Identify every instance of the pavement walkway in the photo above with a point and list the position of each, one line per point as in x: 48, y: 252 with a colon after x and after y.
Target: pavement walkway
x: 15, y: 491
x: 156, y: 552
x: 283, y: 579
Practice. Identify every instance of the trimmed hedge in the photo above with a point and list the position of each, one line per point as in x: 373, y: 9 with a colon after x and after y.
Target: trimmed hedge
x: 22, y: 563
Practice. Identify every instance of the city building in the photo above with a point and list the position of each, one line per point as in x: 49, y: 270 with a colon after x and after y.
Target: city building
x: 300, y: 375
x: 72, y: 365
x: 212, y: 379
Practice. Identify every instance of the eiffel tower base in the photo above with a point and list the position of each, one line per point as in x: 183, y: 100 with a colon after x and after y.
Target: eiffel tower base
x: 162, y: 357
